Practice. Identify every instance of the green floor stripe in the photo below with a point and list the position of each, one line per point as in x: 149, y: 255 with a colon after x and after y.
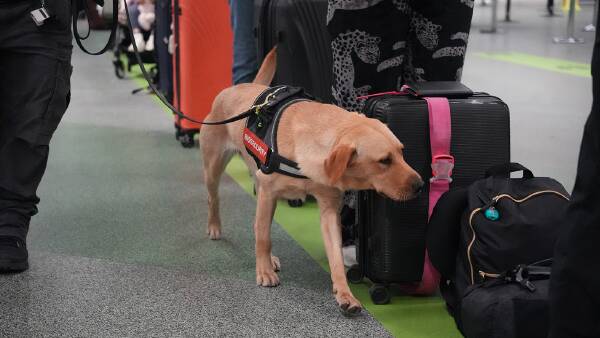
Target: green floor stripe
x: 405, y: 317
x: 550, y: 64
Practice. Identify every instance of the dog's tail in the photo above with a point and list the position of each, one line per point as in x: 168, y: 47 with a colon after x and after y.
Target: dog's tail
x: 267, y: 69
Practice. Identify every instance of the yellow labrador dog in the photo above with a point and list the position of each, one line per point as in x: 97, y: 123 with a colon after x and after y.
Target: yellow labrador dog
x: 337, y: 150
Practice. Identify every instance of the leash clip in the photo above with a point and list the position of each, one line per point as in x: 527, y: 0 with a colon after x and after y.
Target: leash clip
x: 258, y: 107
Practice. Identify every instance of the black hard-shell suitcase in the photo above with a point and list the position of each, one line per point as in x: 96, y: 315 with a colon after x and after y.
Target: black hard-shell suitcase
x: 391, y: 235
x: 161, y: 43
x: 298, y: 28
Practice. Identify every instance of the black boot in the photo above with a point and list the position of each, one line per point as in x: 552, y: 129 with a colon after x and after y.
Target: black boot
x: 13, y: 254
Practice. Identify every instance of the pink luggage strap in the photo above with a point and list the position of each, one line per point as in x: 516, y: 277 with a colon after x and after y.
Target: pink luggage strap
x: 442, y: 164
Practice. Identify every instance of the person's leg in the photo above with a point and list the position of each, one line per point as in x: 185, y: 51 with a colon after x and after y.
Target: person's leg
x: 575, y: 282
x: 35, y: 95
x: 550, y: 7
x: 138, y: 35
x: 368, y: 42
x: 134, y: 14
x: 245, y: 63
x: 438, y: 43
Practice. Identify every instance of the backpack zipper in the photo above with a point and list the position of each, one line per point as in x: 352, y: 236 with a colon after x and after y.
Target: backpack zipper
x: 494, y: 201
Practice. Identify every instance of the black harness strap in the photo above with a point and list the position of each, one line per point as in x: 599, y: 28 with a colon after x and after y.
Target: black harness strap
x: 260, y: 134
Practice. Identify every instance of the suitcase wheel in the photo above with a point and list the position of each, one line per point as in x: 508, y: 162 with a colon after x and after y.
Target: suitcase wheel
x: 354, y: 274
x: 119, y: 69
x: 295, y: 203
x: 177, y: 132
x: 379, y: 294
x: 187, y: 139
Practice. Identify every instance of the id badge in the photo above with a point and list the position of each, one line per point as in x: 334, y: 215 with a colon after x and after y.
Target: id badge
x: 40, y: 16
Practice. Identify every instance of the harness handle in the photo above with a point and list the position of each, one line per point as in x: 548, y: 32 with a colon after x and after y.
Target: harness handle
x: 504, y: 170
x: 113, y: 31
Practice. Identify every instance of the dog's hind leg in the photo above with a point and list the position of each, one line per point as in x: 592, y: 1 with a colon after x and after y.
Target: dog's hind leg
x: 215, y: 157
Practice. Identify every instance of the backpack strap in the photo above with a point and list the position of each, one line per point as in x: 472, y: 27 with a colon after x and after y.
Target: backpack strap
x: 523, y: 274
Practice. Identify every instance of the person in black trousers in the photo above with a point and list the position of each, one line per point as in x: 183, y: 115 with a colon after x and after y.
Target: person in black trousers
x: 379, y: 45
x: 575, y: 281
x: 550, y: 7
x: 35, y: 71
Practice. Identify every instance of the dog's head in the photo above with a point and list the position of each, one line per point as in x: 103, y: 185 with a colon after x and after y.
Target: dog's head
x: 369, y: 156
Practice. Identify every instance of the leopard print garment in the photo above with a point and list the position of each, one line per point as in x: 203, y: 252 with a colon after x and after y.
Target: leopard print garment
x: 378, y: 45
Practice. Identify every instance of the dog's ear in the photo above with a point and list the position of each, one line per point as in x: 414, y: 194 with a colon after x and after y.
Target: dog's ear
x: 338, y: 161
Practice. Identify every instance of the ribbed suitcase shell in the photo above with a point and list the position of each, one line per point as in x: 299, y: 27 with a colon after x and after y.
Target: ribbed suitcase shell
x: 203, y: 58
x: 391, y: 235
x: 298, y: 28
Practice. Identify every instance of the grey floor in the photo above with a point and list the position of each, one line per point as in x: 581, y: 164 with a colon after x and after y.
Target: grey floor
x: 118, y: 248
x: 548, y: 109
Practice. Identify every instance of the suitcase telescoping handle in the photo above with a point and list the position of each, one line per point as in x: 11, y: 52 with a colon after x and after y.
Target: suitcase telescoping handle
x: 448, y: 89
x: 504, y: 170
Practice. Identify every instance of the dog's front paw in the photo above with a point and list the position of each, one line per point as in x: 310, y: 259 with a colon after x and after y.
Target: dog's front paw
x: 266, y: 276
x: 214, y: 232
x: 276, y: 264
x: 348, y: 304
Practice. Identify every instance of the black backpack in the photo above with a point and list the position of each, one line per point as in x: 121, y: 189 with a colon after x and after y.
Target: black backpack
x: 493, y: 243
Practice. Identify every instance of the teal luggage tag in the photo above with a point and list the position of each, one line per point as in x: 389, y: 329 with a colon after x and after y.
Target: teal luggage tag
x: 492, y: 214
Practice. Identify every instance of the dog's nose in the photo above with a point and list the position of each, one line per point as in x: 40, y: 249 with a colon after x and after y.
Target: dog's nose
x: 418, y: 186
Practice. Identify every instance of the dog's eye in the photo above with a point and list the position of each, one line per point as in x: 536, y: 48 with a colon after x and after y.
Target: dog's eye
x: 386, y: 161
